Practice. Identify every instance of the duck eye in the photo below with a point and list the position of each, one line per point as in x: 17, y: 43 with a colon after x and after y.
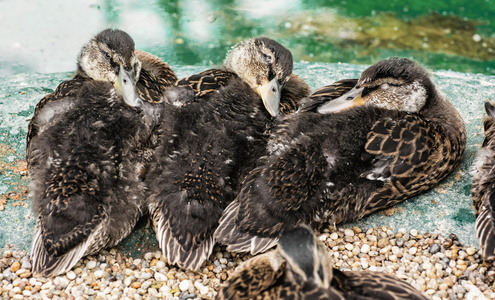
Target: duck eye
x: 107, y: 55
x: 267, y: 58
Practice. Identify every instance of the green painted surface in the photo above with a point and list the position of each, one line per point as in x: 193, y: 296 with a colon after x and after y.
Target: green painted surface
x: 445, y: 209
x: 330, y: 40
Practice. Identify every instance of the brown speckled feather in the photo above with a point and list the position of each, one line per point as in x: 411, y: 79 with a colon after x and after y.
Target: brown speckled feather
x: 212, y: 136
x: 155, y: 77
x: 87, y: 148
x: 294, y: 90
x: 64, y: 90
x: 483, y: 189
x: 340, y: 166
x: 206, y: 82
x: 301, y: 268
x: 372, y: 285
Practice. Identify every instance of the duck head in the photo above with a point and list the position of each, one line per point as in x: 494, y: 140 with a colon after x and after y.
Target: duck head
x: 395, y: 84
x: 307, y: 258
x: 265, y: 65
x: 109, y: 56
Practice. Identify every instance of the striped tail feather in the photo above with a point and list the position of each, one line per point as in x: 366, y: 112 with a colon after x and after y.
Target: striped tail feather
x: 485, y: 228
x: 49, y: 266
x: 228, y: 233
x: 189, y: 259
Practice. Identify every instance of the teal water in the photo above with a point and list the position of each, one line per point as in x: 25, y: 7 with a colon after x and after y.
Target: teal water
x: 45, y: 36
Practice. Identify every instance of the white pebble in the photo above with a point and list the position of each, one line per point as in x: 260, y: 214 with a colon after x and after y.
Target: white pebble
x: 413, y: 250
x: 365, y: 248
x: 127, y: 281
x: 165, y: 289
x: 160, y: 265
x: 414, y: 232
x: 160, y: 276
x: 334, y: 236
x: 204, y: 290
x: 184, y: 285
x: 98, y: 273
x: 91, y: 264
x: 476, y: 37
x: 71, y: 275
x: 348, y: 232
x: 148, y: 256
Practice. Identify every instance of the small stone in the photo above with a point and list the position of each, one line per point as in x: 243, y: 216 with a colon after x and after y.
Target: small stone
x: 399, y: 242
x: 160, y: 265
x: 383, y: 242
x: 413, y: 250
x: 184, y: 285
x: 348, y: 232
x: 471, y: 251
x: 434, y: 248
x: 148, y: 256
x: 365, y: 248
x: 15, y: 267
x: 91, y: 264
x: 136, y: 285
x: 160, y: 276
x: 26, y: 265
x: 98, y: 273
x: 25, y: 274
x: 414, y: 232
x: 356, y: 230
x: 71, y: 275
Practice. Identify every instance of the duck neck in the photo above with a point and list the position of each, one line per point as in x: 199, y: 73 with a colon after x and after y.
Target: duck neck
x: 443, y: 114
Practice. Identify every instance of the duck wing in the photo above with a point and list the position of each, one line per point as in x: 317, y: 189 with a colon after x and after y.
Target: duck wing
x: 404, y: 156
x: 155, y: 77
x: 49, y: 107
x: 274, y: 198
x: 372, y: 285
x: 206, y: 82
x: 483, y: 190
x: 295, y: 89
x: 71, y: 216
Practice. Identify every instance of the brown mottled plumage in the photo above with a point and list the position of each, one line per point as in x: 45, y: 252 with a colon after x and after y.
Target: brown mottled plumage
x: 390, y: 137
x: 212, y: 133
x: 301, y: 268
x: 87, y: 146
x: 483, y: 190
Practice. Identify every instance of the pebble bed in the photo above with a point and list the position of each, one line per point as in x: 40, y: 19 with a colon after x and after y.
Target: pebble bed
x: 440, y: 267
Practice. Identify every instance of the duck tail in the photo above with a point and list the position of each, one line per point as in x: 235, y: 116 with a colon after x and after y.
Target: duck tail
x: 49, y: 265
x: 485, y: 226
x: 184, y: 228
x: 190, y: 258
x: 230, y: 234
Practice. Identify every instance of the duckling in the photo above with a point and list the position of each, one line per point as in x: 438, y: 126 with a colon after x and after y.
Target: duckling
x: 390, y: 137
x: 301, y: 268
x: 212, y: 134
x: 87, y: 145
x: 483, y: 188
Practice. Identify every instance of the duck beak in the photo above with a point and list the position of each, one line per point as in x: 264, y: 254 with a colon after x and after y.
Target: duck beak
x: 270, y: 94
x: 350, y: 99
x: 125, y: 85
